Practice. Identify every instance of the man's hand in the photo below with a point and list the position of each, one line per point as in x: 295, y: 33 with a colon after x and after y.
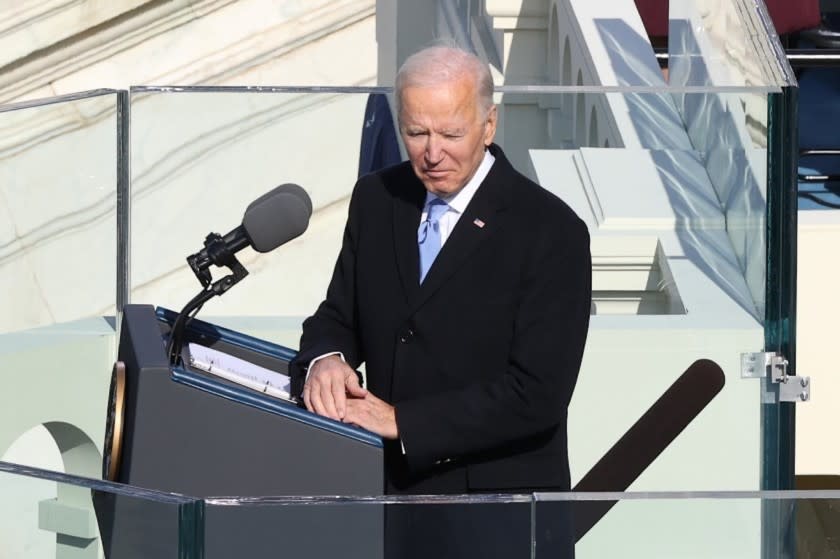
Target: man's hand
x: 330, y: 381
x: 373, y: 414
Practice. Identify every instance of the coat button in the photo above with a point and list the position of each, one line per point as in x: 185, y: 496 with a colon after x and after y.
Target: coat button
x: 406, y: 335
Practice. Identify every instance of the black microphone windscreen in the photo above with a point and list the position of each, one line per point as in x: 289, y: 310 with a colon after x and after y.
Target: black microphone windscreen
x: 276, y: 217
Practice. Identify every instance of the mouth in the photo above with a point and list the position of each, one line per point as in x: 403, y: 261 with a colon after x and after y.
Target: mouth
x: 435, y: 173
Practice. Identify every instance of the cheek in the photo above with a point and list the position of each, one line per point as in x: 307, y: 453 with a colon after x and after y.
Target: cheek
x: 467, y: 155
x: 461, y: 153
x: 415, y: 147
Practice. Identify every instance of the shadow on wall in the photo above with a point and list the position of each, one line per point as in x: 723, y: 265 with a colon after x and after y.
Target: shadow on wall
x: 719, y: 129
x: 654, y: 116
x: 710, y: 253
x: 710, y: 126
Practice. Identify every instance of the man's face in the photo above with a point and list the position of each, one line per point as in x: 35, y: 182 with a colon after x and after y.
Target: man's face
x: 445, y: 133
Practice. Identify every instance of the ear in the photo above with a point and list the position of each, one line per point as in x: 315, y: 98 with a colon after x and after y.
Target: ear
x: 490, y: 125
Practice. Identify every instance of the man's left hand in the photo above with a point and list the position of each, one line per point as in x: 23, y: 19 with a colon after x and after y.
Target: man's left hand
x: 372, y: 414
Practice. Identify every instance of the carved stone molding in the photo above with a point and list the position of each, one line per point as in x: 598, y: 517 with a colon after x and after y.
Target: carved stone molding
x: 252, y: 60
x: 125, y: 29
x: 30, y: 27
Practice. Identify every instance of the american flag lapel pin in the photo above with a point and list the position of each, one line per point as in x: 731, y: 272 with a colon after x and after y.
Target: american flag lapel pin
x: 478, y: 223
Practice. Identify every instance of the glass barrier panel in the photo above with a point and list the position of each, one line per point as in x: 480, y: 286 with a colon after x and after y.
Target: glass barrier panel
x: 58, y: 277
x: 58, y: 197
x: 370, y: 528
x: 655, y: 527
x: 677, y: 241
x: 200, y: 158
x: 45, y: 514
x: 583, y: 525
x: 715, y: 43
x: 689, y: 525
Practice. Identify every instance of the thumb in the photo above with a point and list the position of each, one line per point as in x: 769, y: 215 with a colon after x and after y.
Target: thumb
x: 351, y: 384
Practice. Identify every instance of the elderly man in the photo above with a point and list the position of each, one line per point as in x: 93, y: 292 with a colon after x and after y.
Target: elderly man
x: 465, y: 289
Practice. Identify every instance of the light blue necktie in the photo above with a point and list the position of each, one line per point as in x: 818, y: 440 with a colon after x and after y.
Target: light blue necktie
x: 428, y: 235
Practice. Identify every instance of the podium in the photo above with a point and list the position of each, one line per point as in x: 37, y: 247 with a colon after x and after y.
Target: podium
x: 189, y: 432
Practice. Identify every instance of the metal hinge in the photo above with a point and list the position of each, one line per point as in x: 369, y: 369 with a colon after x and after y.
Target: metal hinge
x: 779, y: 385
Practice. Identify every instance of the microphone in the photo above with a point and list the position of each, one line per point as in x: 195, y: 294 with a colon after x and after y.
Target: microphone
x: 275, y: 218
x: 646, y: 439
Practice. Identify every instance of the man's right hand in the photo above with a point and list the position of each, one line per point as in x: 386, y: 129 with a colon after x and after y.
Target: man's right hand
x: 329, y: 383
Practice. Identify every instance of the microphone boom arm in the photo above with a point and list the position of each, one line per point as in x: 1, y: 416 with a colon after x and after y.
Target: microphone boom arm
x: 221, y: 255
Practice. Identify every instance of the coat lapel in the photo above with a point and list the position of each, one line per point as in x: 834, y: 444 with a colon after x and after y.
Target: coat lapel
x: 407, y: 210
x: 478, y: 223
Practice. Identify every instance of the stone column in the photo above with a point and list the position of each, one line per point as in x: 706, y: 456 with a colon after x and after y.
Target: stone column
x: 523, y: 124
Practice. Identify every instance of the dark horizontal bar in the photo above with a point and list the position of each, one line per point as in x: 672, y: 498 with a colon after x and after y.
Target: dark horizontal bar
x: 798, y: 58
x: 813, y: 58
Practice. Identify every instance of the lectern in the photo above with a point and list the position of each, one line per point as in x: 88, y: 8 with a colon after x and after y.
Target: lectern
x: 186, y: 431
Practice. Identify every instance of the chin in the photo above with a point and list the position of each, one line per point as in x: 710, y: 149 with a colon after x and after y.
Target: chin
x: 440, y: 187
x: 440, y: 191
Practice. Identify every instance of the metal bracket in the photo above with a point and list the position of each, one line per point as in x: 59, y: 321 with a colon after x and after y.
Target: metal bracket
x: 780, y: 386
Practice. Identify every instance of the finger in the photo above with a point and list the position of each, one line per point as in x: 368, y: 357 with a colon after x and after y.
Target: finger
x: 327, y: 399
x: 315, y: 399
x: 306, y: 398
x: 338, y: 399
x: 351, y: 384
x: 321, y: 396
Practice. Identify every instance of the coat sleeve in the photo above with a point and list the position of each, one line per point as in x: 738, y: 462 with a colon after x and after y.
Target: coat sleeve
x: 532, y: 394
x: 333, y: 326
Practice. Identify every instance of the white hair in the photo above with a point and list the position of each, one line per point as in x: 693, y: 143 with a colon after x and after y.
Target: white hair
x: 442, y: 64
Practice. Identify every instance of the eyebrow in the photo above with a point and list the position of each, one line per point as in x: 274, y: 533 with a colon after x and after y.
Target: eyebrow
x: 443, y: 131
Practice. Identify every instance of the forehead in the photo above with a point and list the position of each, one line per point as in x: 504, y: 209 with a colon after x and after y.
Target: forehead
x: 445, y: 104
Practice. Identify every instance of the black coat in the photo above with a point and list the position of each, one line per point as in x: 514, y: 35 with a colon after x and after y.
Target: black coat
x: 480, y: 360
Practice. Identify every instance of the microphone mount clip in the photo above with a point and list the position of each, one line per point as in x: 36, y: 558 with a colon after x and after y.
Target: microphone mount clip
x: 218, y: 253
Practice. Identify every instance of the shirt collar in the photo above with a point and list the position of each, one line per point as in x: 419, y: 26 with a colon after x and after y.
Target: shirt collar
x: 461, y: 199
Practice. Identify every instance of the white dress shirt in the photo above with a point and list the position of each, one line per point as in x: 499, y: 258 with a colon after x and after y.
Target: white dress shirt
x: 459, y: 201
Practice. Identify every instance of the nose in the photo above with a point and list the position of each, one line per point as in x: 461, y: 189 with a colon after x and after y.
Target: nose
x: 434, y: 150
